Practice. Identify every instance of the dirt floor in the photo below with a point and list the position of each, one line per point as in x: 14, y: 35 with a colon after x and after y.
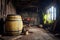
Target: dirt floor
x: 34, y: 34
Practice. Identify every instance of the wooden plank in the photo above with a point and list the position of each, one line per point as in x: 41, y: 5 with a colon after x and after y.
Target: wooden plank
x: 11, y: 37
x: 34, y: 34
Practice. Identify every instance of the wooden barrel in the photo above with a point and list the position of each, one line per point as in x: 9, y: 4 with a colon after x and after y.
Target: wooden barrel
x: 13, y: 25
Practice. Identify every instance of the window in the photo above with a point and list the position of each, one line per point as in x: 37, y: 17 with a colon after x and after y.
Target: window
x: 52, y: 12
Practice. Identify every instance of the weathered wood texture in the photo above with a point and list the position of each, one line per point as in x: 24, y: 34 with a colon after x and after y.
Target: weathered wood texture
x: 6, y: 9
x: 34, y: 34
x: 38, y: 34
x: 10, y: 9
x: 2, y: 7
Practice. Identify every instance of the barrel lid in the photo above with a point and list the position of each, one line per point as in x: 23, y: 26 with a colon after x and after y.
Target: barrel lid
x: 13, y: 15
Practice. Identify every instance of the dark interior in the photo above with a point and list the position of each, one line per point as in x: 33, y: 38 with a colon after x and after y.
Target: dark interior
x: 35, y: 14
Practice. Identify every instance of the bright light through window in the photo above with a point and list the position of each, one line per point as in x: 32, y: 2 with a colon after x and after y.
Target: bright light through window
x: 52, y: 12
